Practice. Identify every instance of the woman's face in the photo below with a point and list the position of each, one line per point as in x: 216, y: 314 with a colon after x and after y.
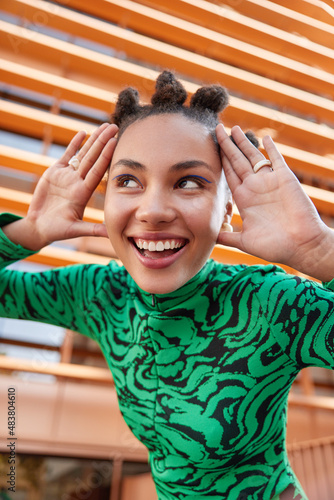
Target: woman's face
x: 166, y: 201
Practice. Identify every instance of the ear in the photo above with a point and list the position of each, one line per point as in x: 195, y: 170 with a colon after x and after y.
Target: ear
x: 226, y: 225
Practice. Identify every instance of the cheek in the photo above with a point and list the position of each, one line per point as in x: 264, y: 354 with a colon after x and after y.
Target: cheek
x: 114, y: 214
x: 204, y: 216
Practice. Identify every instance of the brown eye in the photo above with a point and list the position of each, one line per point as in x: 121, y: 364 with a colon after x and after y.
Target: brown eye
x: 127, y: 181
x: 192, y: 182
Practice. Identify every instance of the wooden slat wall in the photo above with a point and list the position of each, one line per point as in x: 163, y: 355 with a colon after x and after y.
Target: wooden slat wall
x: 313, y: 464
x: 276, y: 58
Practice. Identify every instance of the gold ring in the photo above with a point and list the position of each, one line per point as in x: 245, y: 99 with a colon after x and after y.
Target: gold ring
x: 260, y: 164
x: 74, y: 162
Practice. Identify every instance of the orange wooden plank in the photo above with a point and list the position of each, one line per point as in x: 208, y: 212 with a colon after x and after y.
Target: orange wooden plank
x: 68, y: 370
x: 273, y: 14
x: 36, y: 123
x: 20, y: 201
x: 243, y: 24
x: 24, y: 160
x: 318, y: 9
x: 312, y: 402
x: 259, y: 88
x: 62, y: 89
x: 289, y: 129
x: 210, y: 43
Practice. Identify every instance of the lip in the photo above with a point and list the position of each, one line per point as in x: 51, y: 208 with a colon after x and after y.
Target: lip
x: 158, y: 263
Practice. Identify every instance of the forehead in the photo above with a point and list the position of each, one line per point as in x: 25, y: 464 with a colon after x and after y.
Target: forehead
x: 166, y: 136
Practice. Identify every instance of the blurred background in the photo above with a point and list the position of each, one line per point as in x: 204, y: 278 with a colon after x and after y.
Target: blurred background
x: 62, y: 64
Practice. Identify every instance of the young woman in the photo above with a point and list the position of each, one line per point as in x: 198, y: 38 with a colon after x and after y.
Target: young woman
x: 203, y: 355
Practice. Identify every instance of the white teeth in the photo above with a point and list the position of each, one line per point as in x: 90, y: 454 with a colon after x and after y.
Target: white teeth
x: 158, y: 246
x: 151, y: 246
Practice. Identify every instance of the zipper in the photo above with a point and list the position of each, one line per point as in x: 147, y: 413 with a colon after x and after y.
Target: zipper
x: 153, y: 300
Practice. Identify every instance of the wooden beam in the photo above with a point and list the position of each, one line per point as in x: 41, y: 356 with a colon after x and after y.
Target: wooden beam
x: 273, y: 14
x: 318, y: 9
x: 60, y: 88
x: 202, y: 40
x: 312, y: 402
x: 285, y: 128
x: 19, y: 201
x: 156, y: 52
x: 67, y: 370
x: 249, y: 22
x: 22, y: 120
x: 25, y: 161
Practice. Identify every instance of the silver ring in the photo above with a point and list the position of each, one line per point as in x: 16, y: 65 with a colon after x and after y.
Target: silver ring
x: 74, y: 162
x: 260, y: 164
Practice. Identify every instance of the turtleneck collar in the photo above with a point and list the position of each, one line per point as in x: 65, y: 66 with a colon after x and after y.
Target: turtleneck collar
x: 162, y: 302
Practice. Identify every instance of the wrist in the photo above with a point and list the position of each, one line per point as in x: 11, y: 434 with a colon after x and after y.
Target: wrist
x: 23, y: 232
x: 317, y: 261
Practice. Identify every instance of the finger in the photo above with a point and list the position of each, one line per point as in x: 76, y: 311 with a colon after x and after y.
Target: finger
x: 275, y: 156
x: 225, y: 142
x: 83, y: 228
x: 237, y: 158
x: 88, y: 144
x: 96, y: 149
x: 230, y: 240
x: 250, y: 151
x: 96, y: 173
x: 232, y: 178
x: 72, y: 148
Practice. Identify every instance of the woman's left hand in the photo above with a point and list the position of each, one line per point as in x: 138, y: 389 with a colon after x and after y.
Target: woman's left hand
x: 280, y: 223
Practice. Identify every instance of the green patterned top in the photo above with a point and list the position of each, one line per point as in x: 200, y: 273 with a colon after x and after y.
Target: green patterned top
x: 203, y: 373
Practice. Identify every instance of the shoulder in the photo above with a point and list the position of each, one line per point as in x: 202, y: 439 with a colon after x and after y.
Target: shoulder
x: 242, y: 273
x: 92, y: 280
x: 269, y: 283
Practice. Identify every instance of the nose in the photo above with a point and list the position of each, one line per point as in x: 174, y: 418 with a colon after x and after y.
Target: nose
x: 155, y: 207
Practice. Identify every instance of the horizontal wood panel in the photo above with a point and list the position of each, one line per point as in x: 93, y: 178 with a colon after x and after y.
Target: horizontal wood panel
x: 217, y: 46
x: 146, y: 49
x: 249, y: 21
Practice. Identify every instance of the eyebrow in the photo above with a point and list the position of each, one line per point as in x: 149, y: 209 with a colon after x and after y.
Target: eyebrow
x: 182, y: 165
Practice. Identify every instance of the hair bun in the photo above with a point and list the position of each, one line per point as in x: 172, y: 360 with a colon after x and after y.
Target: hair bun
x: 212, y: 97
x: 169, y: 91
x: 252, y: 138
x: 127, y: 104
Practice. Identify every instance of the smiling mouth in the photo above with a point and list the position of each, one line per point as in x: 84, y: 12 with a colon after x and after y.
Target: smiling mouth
x: 159, y: 248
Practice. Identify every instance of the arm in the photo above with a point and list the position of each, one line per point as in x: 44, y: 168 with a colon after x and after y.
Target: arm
x: 280, y: 223
x: 61, y: 296
x: 299, y: 313
x: 65, y: 297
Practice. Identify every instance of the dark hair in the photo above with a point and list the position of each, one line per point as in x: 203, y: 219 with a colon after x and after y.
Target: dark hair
x: 170, y: 97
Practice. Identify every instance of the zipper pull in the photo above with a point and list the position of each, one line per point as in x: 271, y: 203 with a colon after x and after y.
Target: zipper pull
x: 153, y: 300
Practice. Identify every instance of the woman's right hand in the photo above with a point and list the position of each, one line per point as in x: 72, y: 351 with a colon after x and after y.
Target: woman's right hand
x: 62, y: 193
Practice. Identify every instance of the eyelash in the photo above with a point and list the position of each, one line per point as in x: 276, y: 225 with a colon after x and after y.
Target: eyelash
x: 120, y: 179
x: 200, y: 181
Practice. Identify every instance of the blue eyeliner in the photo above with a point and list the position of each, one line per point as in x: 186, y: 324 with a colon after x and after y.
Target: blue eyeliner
x: 199, y: 177
x: 194, y: 177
